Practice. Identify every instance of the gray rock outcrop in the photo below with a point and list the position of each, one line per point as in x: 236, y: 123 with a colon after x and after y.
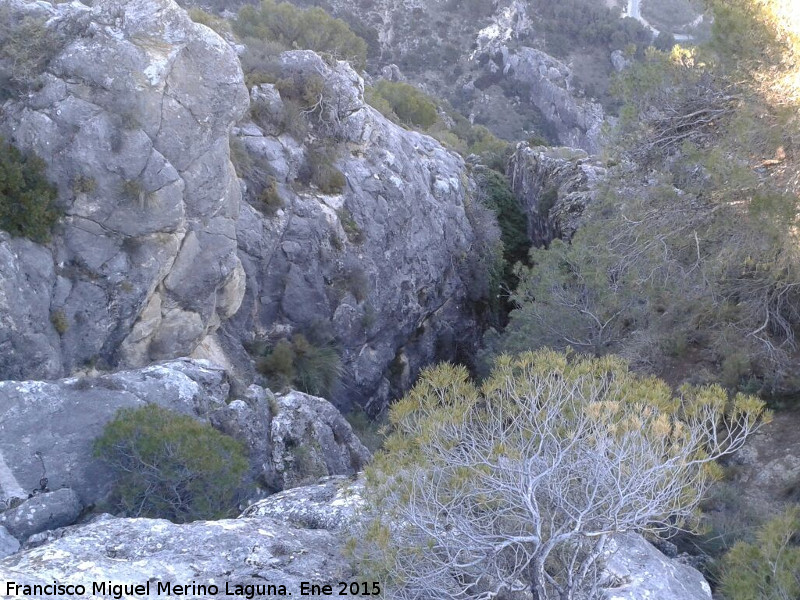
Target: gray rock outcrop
x: 554, y: 186
x: 8, y: 543
x: 49, y: 510
x: 59, y: 420
x: 576, y: 122
x: 382, y: 266
x: 331, y: 504
x: 294, y: 536
x: 635, y: 570
x: 131, y: 116
x: 245, y: 552
x: 311, y: 439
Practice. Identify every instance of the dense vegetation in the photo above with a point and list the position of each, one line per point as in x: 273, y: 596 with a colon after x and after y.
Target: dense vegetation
x: 769, y: 567
x: 517, y: 484
x: 568, y: 23
x: 691, y: 257
x: 313, y: 367
x: 288, y: 27
x: 27, y: 199
x: 170, y: 466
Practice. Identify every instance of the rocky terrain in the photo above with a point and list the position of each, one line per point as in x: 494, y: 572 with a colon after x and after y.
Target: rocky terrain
x: 197, y: 234
x: 384, y: 264
x: 47, y: 428
x: 289, y: 538
x: 156, y: 250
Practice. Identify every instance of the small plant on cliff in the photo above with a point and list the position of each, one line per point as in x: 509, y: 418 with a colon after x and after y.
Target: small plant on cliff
x: 313, y: 368
x: 170, y: 466
x: 27, y: 199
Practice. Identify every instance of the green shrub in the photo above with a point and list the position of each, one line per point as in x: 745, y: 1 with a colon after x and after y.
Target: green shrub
x: 242, y: 161
x: 370, y: 432
x: 351, y: 228
x: 171, y: 466
x: 27, y: 46
x: 59, y: 320
x: 768, y: 569
x: 410, y: 105
x: 83, y: 184
x: 218, y: 24
x: 312, y: 368
x: 269, y: 200
x: 27, y: 199
x: 293, y: 27
x: 324, y: 174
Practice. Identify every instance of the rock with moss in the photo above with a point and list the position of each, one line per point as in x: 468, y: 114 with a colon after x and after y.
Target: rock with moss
x: 332, y: 504
x: 287, y: 439
x: 43, y: 511
x: 377, y: 260
x: 239, y: 552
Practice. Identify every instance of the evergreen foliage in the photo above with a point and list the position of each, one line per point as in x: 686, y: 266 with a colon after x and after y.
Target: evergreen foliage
x: 171, y: 466
x: 313, y: 368
x: 769, y: 567
x: 403, y: 103
x: 691, y: 247
x: 27, y: 199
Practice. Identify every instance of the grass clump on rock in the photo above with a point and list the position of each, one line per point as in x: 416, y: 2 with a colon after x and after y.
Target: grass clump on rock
x: 171, y: 466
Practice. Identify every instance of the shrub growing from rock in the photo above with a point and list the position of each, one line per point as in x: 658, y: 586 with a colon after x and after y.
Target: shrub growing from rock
x: 27, y: 199
x: 171, y: 466
x: 408, y: 104
x: 517, y: 485
x: 312, y: 368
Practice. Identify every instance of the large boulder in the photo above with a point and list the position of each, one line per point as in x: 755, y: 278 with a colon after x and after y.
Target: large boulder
x: 331, y: 504
x: 49, y: 510
x: 311, y: 439
x: 383, y: 266
x: 635, y: 570
x: 53, y: 424
x: 554, y: 186
x: 131, y: 116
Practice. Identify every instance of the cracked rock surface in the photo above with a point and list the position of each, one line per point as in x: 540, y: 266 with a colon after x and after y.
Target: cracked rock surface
x: 132, y: 119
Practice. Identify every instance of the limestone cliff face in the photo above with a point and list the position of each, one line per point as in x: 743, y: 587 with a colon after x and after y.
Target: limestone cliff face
x: 554, y: 185
x: 383, y: 264
x: 132, y: 118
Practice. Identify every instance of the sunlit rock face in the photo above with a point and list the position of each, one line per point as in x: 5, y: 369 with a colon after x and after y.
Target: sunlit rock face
x: 131, y: 117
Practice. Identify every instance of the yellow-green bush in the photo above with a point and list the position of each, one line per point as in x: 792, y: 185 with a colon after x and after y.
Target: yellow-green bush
x: 408, y: 104
x: 171, y: 466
